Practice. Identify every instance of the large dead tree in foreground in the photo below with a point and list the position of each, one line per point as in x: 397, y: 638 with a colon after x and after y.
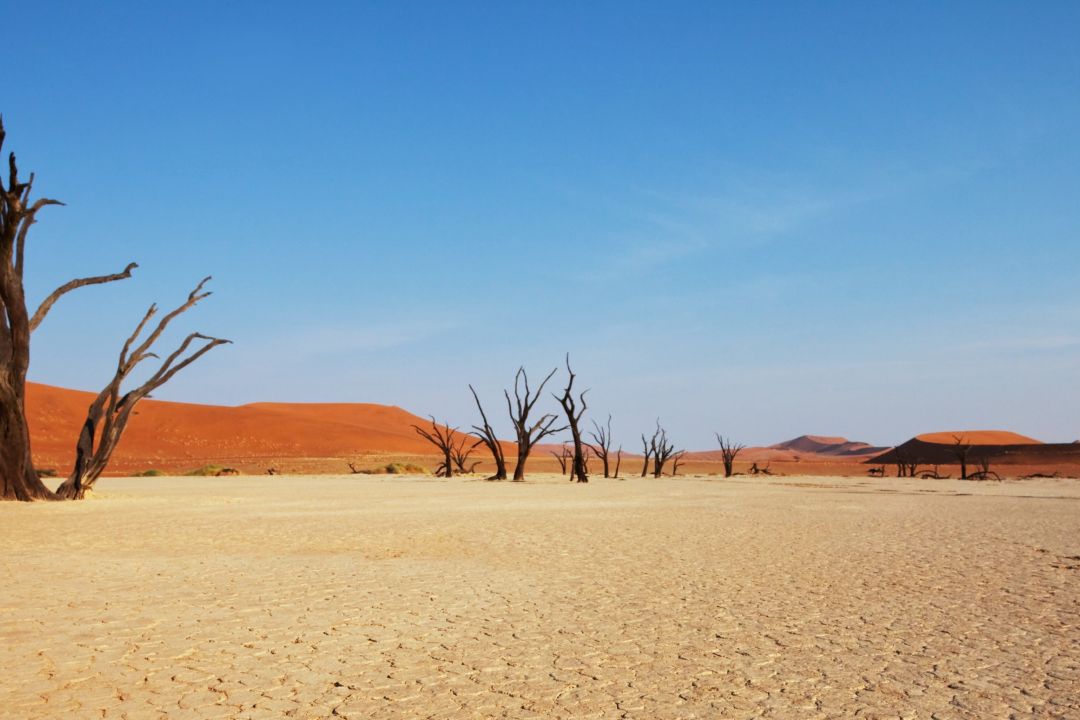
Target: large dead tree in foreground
x: 728, y: 451
x: 18, y: 480
x: 601, y: 444
x: 520, y: 409
x: 578, y: 471
x: 487, y: 436
x: 108, y: 415
x: 443, y: 437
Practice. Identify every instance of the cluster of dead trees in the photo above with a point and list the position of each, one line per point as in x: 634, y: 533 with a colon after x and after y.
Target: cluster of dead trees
x: 907, y: 464
x: 109, y: 413
x: 531, y: 427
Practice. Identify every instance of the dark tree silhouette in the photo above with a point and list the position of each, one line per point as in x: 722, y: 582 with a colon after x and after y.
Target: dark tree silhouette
x: 601, y: 444
x: 675, y: 460
x: 647, y: 450
x: 460, y: 453
x: 662, y: 449
x: 728, y: 451
x: 962, y: 450
x: 520, y: 408
x: 563, y: 457
x: 487, y: 436
x: 443, y: 437
x: 578, y: 471
x: 108, y: 415
x: 618, y: 461
x: 18, y: 480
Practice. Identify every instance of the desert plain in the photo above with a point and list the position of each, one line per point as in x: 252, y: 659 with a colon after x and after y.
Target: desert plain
x: 412, y: 597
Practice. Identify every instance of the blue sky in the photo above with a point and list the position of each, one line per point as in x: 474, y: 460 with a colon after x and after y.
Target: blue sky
x: 764, y: 219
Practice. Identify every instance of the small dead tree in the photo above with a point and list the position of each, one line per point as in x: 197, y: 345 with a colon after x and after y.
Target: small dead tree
x: 563, y: 457
x: 961, y: 450
x: 647, y: 449
x: 618, y: 461
x: 487, y: 436
x: 520, y: 408
x: 662, y: 449
x: 728, y: 451
x: 108, y: 415
x: 460, y: 453
x: 675, y: 460
x: 601, y: 444
x: 578, y: 471
x: 984, y: 472
x: 18, y: 479
x: 443, y: 437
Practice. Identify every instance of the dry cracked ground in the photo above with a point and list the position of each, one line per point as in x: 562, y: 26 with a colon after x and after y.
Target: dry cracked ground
x: 318, y: 597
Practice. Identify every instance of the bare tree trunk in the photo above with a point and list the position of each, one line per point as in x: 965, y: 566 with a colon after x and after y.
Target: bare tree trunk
x: 661, y: 449
x: 601, y: 446
x: 573, y: 417
x: 562, y: 457
x: 487, y: 436
x: 527, y: 435
x: 728, y: 451
x: 618, y: 461
x: 443, y: 438
x: 18, y: 481
x: 962, y: 450
x: 108, y: 415
x: 647, y: 449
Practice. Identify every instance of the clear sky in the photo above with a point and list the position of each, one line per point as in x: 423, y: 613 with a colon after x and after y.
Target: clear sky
x: 764, y: 219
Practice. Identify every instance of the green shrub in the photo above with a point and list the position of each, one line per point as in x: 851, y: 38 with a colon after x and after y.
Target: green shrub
x: 205, y: 471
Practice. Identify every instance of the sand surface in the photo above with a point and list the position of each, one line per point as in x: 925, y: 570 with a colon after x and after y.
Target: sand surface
x: 317, y: 597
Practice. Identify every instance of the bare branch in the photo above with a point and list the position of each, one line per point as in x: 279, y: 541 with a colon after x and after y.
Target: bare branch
x: 67, y: 287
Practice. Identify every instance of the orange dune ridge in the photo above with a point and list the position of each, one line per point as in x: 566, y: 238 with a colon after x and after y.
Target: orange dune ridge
x: 174, y: 436
x: 979, y: 437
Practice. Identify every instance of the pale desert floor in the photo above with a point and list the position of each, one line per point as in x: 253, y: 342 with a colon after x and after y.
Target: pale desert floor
x: 314, y: 597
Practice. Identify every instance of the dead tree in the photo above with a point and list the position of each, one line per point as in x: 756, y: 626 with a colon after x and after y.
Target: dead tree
x: 647, y: 449
x: 442, y: 437
x: 962, y: 450
x: 18, y: 480
x: 618, y: 461
x: 460, y: 454
x: 984, y: 472
x: 728, y: 451
x: 108, y: 415
x: 662, y: 449
x: 578, y: 471
x: 520, y: 409
x: 563, y: 456
x: 675, y: 460
x: 906, y: 466
x: 876, y: 471
x: 490, y: 440
x: 601, y: 444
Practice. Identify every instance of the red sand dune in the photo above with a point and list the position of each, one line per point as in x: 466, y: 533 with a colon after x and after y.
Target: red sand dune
x: 176, y: 436
x: 805, y: 448
x: 979, y: 437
